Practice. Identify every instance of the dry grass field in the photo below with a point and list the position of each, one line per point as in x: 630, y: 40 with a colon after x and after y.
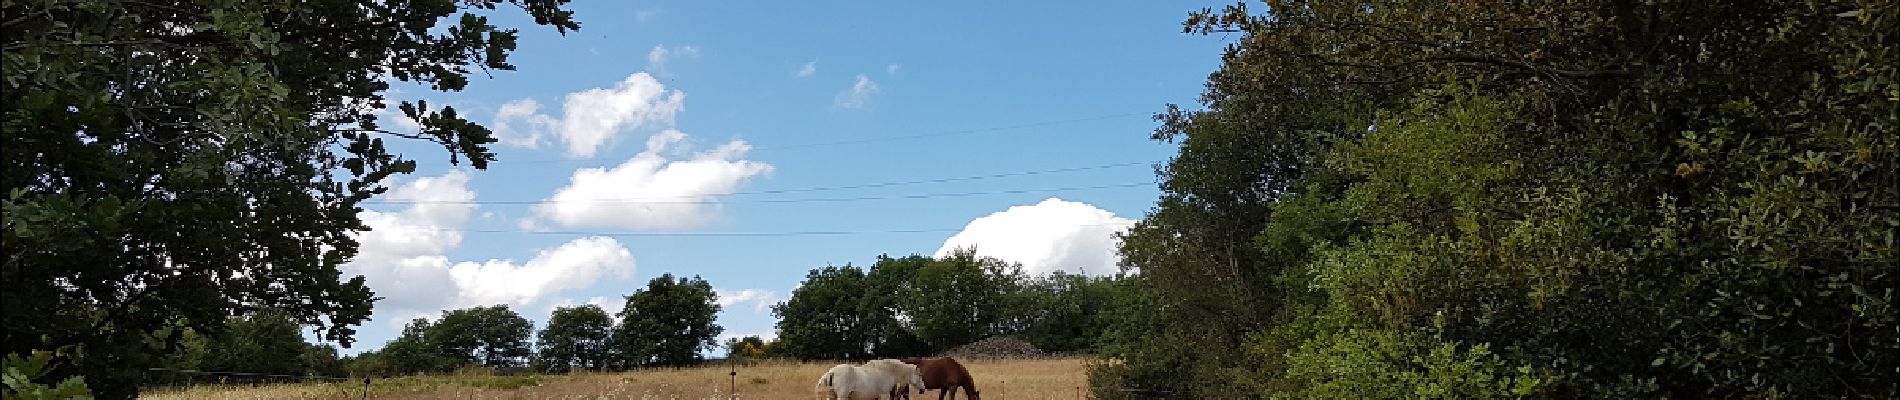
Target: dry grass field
x: 998, y: 379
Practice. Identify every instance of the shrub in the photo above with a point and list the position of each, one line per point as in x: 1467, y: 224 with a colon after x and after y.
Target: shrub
x: 23, y: 377
x: 1376, y: 364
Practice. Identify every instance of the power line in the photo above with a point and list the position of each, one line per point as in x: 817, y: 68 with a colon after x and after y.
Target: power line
x: 811, y: 189
x: 941, y: 180
x: 884, y: 139
x: 949, y: 133
x: 718, y: 234
x: 937, y: 195
x: 810, y: 200
x: 712, y: 234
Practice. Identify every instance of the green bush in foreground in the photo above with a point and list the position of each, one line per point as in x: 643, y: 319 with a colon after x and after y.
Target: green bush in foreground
x: 20, y: 375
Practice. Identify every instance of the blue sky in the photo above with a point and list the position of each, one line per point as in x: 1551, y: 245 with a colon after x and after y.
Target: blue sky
x: 644, y: 118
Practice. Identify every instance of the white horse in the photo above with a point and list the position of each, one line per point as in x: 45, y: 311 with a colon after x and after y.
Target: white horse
x: 851, y: 382
x: 874, y: 380
x: 905, y: 375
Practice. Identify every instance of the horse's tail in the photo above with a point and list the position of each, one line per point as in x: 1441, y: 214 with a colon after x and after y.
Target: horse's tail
x: 825, y: 380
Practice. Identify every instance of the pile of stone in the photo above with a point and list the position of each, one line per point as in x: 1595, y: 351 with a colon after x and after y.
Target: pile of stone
x: 996, y: 347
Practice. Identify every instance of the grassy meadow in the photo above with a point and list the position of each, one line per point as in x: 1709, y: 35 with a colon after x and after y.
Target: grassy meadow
x: 998, y: 379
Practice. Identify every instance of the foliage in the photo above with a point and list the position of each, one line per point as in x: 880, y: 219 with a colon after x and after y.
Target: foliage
x: 322, y: 360
x: 266, y: 342
x: 885, y: 307
x: 1370, y: 364
x: 747, y: 347
x: 821, y: 320
x: 961, y: 298
x: 492, y: 336
x: 667, y: 323
x: 575, y: 337
x: 124, y: 121
x: 1065, y: 311
x: 22, y: 375
x: 1137, y: 329
x: 410, y: 353
x: 189, y: 349
x: 915, y: 306
x: 1581, y: 199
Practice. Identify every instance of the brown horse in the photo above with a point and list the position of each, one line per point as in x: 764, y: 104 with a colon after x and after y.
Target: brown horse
x: 945, y: 375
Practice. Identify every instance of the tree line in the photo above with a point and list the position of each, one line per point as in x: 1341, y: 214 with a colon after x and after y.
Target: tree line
x: 916, y: 306
x: 898, y: 307
x: 1586, y: 199
x: 667, y: 323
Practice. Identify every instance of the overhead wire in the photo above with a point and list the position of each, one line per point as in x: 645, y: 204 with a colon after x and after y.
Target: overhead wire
x: 714, y: 234
x: 951, y: 133
x: 702, y: 199
x: 662, y: 200
x: 885, y: 139
x: 796, y: 190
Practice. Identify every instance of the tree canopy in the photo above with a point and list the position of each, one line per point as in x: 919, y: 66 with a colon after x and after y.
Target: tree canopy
x: 492, y: 336
x: 575, y: 337
x: 266, y: 343
x: 962, y: 298
x: 915, y: 306
x: 821, y: 318
x: 253, y: 122
x: 667, y: 323
x: 1396, y: 199
x: 747, y: 347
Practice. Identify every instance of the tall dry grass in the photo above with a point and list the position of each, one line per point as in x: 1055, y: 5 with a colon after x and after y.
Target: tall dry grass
x: 998, y: 380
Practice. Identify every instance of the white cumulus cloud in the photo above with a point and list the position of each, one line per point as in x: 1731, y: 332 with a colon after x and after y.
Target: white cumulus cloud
x: 403, y: 256
x: 759, y: 298
x: 651, y: 190
x: 892, y: 69
x: 810, y: 68
x: 591, y: 118
x: 573, y: 265
x: 520, y: 123
x: 858, y: 94
x: 1052, y: 235
x: 401, y: 253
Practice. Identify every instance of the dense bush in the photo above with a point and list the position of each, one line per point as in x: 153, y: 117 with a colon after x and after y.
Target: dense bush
x: 1582, y: 199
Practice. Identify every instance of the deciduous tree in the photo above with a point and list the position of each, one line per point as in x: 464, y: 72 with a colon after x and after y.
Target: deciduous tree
x: 885, y: 307
x: 491, y: 336
x: 267, y: 342
x: 961, y: 298
x: 1578, y: 199
x: 575, y: 337
x: 667, y: 323
x: 252, y: 123
x: 821, y: 319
